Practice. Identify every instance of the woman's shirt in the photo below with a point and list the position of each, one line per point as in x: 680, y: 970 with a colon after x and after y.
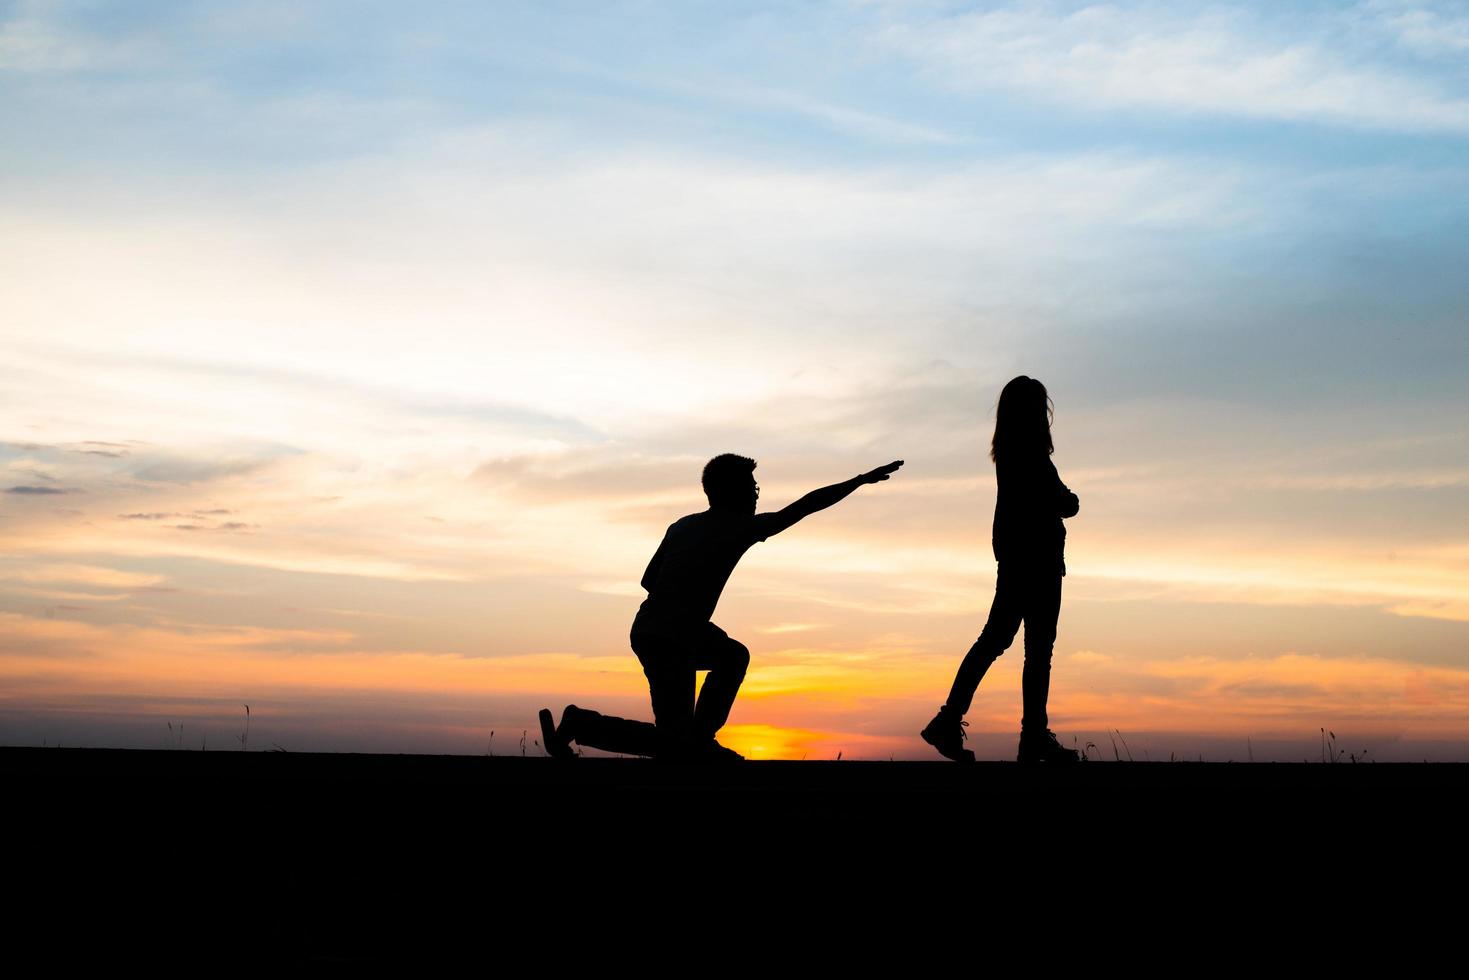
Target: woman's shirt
x: 1031, y: 502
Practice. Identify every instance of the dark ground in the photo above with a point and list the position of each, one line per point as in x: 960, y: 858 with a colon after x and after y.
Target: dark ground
x: 259, y: 859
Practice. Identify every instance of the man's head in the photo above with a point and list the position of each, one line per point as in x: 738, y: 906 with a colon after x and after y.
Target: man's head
x: 729, y: 483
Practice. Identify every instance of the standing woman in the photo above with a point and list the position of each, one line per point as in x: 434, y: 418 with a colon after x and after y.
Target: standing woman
x: 1029, y: 540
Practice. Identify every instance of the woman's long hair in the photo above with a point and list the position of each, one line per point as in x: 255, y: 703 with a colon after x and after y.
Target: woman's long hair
x: 1022, y: 420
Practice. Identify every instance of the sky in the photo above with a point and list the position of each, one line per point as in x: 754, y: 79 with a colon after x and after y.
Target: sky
x: 356, y: 356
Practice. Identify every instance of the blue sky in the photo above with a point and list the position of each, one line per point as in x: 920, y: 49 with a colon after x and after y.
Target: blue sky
x: 1244, y: 168
x: 350, y: 271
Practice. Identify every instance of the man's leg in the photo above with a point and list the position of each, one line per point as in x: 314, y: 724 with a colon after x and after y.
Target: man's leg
x: 726, y: 660
x: 671, y: 683
x: 594, y: 730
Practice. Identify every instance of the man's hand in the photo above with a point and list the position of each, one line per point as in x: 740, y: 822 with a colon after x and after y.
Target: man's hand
x: 881, y: 473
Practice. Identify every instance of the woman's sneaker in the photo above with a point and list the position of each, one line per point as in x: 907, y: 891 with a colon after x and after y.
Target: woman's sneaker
x: 1040, y: 745
x: 946, y: 733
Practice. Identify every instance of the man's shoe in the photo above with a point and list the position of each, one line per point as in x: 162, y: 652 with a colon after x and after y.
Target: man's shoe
x: 558, y: 740
x: 1040, y: 745
x: 712, y: 751
x: 699, y: 752
x: 946, y: 733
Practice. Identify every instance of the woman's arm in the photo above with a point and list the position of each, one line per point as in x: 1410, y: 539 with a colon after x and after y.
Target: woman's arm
x: 1067, y: 503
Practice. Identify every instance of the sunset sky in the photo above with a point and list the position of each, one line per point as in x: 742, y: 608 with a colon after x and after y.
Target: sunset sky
x: 356, y: 356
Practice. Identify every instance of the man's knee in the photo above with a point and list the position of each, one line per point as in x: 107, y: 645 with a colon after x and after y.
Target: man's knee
x: 736, y: 658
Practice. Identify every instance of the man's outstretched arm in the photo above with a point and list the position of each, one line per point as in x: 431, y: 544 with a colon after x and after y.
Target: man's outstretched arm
x: 778, y: 521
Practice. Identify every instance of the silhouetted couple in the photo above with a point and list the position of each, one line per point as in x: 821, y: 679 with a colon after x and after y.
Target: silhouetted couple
x: 673, y: 636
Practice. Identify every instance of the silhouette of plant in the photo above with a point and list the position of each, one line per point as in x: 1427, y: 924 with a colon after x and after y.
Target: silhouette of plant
x: 1112, y: 736
x: 1329, y: 750
x: 1124, y: 746
x: 1331, y: 753
x: 244, y: 736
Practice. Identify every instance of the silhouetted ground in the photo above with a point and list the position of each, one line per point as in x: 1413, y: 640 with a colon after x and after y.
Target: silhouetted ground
x: 263, y: 858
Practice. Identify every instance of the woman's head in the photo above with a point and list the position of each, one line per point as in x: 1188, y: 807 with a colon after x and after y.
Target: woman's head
x: 1022, y: 420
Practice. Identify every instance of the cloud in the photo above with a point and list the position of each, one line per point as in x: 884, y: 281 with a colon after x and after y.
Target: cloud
x: 1260, y: 689
x: 72, y: 596
x: 177, y: 468
x: 225, y: 527
x: 89, y: 575
x: 778, y: 629
x: 37, y: 491
x: 1224, y: 61
x: 34, y: 44
x: 221, y: 459
x: 847, y: 119
x: 1455, y: 609
x: 590, y: 473
x: 1428, y: 30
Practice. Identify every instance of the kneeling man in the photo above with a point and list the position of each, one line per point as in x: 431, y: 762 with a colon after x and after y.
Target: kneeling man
x: 672, y: 634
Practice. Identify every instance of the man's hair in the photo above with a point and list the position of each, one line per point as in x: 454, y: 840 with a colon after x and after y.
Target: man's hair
x: 726, y: 479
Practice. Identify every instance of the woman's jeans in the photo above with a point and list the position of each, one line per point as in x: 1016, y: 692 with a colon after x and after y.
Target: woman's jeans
x: 1022, y: 593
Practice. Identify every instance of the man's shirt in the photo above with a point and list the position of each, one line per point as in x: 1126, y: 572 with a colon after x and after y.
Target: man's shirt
x: 691, y: 565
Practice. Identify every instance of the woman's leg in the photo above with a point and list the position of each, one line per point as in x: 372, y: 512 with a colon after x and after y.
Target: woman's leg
x: 1041, y: 604
x: 999, y: 632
